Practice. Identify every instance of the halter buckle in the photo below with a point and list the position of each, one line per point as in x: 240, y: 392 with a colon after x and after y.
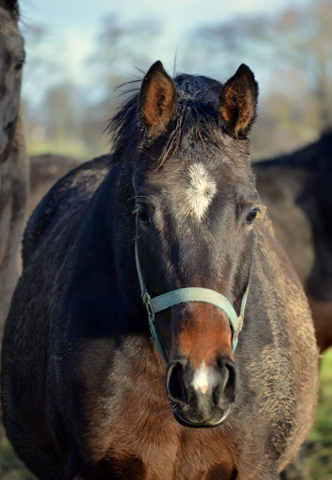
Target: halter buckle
x: 241, y: 318
x: 147, y: 301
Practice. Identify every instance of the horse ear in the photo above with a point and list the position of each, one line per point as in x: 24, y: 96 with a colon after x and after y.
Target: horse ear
x: 11, y: 5
x: 157, y: 101
x: 238, y: 102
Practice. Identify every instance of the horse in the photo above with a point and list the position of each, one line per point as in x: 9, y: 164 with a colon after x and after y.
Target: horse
x: 296, y: 189
x: 158, y: 331
x: 45, y: 171
x: 296, y: 183
x: 14, y: 166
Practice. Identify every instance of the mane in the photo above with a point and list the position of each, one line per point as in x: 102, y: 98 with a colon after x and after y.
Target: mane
x: 197, y: 114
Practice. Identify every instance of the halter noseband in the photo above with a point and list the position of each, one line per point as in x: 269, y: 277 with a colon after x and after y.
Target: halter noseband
x: 184, y: 295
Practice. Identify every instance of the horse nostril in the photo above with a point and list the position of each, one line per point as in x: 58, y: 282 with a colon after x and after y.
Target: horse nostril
x: 225, y: 392
x: 175, y: 383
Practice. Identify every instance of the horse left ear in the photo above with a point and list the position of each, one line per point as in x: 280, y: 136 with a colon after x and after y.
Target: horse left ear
x: 11, y: 5
x: 238, y: 103
x: 157, y: 102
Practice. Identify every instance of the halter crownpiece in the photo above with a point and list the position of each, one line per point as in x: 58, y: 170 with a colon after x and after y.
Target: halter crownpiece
x: 184, y: 295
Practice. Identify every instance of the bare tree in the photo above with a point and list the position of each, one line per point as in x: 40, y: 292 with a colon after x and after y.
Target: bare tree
x: 294, y: 50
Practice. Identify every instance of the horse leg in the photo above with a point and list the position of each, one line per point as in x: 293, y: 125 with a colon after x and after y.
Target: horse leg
x: 268, y: 475
x: 91, y: 476
x: 76, y: 470
x: 262, y: 474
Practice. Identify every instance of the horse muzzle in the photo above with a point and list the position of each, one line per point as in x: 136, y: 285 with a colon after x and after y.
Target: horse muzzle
x: 202, y: 398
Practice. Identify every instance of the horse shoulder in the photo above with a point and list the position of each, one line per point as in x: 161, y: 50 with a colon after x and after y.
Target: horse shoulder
x: 291, y: 358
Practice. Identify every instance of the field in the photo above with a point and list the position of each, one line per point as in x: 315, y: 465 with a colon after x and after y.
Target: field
x: 316, y: 457
x: 318, y: 451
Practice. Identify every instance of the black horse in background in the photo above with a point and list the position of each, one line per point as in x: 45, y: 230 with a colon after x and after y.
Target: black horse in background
x: 85, y: 393
x: 296, y: 188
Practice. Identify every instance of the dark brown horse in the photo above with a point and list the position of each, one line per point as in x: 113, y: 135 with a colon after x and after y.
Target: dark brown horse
x: 174, y: 214
x: 297, y: 191
x: 13, y: 158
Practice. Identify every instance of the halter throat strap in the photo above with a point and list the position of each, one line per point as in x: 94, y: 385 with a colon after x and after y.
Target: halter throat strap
x: 184, y: 295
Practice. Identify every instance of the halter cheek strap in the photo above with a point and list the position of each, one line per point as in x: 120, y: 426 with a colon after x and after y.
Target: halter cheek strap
x: 185, y: 295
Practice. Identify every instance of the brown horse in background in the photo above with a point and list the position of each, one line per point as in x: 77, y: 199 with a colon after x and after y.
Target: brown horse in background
x: 85, y: 393
x: 13, y: 157
x: 45, y: 171
x: 296, y: 188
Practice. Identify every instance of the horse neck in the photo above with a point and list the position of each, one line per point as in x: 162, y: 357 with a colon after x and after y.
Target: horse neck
x: 14, y: 184
x: 14, y: 173
x: 123, y: 241
x: 107, y: 237
x: 19, y: 145
x: 17, y: 158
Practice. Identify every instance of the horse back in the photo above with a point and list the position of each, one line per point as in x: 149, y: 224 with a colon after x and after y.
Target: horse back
x: 73, y: 190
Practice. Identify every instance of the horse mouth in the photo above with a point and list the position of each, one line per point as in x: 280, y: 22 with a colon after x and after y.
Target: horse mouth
x: 213, y: 424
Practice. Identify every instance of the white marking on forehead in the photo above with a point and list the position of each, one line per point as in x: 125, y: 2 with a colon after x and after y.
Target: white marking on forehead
x: 201, y: 190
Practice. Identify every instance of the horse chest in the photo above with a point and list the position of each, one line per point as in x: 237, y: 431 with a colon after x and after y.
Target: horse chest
x: 169, y: 456
x: 147, y: 443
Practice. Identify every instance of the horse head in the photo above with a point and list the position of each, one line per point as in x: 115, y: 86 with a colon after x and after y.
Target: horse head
x: 195, y: 206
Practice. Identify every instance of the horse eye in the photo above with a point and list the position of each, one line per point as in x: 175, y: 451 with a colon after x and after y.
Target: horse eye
x: 19, y: 65
x: 252, y: 215
x: 143, y: 216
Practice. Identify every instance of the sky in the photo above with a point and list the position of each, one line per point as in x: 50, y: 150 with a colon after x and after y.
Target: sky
x: 73, y: 26
x: 179, y: 14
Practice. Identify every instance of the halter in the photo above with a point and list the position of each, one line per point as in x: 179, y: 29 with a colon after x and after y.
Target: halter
x: 184, y: 295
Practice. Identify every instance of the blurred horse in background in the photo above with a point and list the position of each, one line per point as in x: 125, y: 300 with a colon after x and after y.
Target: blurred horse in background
x: 45, y: 171
x: 296, y: 188
x: 13, y: 157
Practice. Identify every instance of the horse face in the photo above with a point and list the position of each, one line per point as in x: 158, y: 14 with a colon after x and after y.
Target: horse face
x: 11, y: 63
x: 194, y: 220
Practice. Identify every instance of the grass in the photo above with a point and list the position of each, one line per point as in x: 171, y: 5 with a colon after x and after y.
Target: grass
x: 75, y: 149
x: 11, y: 468
x: 317, y: 464
x: 316, y: 461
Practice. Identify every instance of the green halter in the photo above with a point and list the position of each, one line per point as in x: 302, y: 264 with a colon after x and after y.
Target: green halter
x: 184, y: 295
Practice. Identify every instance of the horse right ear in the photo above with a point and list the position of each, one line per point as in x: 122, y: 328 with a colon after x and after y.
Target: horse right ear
x: 11, y: 6
x: 157, y: 100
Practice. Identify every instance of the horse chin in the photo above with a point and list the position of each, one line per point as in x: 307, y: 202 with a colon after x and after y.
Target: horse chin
x: 185, y: 422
